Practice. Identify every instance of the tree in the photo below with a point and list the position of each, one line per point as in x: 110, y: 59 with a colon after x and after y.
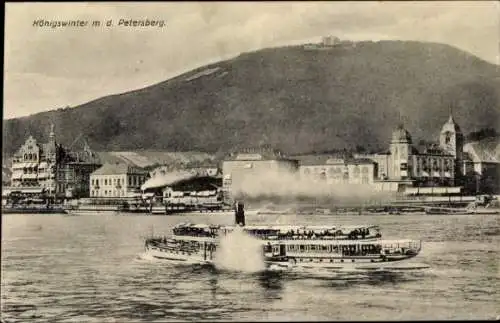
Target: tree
x: 360, y: 149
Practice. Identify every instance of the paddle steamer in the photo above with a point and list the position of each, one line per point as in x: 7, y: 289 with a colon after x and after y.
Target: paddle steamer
x: 286, y: 246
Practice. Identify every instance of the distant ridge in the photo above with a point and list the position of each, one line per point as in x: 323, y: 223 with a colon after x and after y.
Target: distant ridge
x: 293, y: 99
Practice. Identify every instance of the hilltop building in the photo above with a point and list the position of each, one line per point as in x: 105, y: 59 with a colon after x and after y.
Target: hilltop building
x: 329, y: 43
x: 51, y: 169
x: 329, y: 40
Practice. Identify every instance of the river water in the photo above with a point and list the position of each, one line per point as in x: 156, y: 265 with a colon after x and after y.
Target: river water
x: 88, y: 268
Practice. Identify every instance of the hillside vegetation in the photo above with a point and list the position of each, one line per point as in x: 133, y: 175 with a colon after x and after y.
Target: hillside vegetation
x: 294, y: 99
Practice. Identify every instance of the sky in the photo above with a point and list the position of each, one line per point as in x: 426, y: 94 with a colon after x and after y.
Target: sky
x: 47, y: 68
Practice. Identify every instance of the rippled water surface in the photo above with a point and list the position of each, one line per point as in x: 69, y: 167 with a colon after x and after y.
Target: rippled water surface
x: 58, y: 268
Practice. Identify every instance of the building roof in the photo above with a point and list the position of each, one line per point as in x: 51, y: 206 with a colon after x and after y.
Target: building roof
x: 313, y: 160
x: 484, y: 151
x: 257, y: 154
x: 467, y: 156
x: 83, y: 157
x: 426, y: 149
x: 451, y: 126
x: 342, y: 158
x: 119, y: 169
x: 167, y: 179
x: 361, y: 161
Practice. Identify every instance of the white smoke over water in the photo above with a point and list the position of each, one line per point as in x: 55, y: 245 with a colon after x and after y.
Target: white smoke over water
x: 285, y: 187
x: 238, y: 251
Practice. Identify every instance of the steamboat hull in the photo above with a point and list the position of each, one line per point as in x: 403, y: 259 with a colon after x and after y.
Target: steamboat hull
x: 277, y: 258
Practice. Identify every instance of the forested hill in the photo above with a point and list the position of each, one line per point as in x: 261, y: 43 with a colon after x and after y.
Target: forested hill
x: 291, y: 98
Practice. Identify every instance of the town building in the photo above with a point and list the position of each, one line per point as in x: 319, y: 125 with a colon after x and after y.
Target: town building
x: 481, y: 166
x: 73, y: 174
x: 338, y: 169
x: 118, y: 180
x: 211, y: 170
x: 243, y: 167
x: 406, y: 165
x: 51, y: 169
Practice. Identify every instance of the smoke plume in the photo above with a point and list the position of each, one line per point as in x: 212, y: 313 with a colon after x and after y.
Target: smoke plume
x: 285, y: 187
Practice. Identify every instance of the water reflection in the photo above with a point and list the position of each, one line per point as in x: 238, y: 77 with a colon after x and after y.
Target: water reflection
x: 271, y: 280
x: 272, y: 283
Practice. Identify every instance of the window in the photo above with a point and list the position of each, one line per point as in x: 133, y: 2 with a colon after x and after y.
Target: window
x: 356, y: 171
x: 402, y: 153
x: 447, y: 138
x: 106, y: 182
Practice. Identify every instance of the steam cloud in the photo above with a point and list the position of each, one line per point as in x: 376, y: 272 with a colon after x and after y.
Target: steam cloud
x: 239, y: 251
x: 283, y: 187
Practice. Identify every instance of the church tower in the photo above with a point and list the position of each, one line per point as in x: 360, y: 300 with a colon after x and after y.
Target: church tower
x: 51, y: 146
x: 451, y: 139
x: 400, y: 148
